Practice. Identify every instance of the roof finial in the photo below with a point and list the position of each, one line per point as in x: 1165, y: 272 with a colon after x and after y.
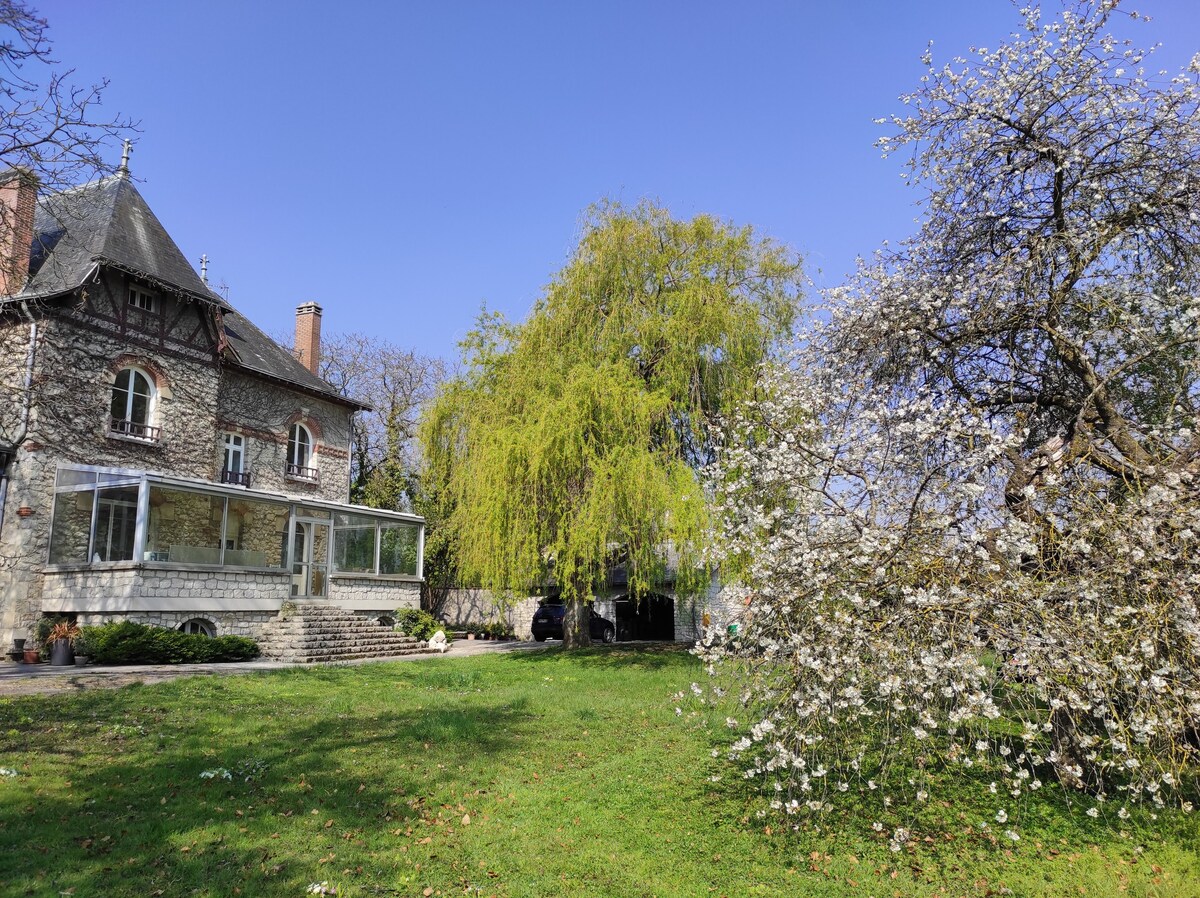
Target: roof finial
x: 204, y: 268
x: 126, y: 149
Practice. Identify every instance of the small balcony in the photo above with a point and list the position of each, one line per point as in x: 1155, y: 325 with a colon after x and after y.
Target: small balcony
x: 238, y: 478
x: 134, y: 430
x: 299, y: 472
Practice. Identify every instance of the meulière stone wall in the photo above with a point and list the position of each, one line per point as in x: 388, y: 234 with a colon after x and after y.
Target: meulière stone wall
x: 77, y: 356
x: 263, y: 414
x: 14, y: 348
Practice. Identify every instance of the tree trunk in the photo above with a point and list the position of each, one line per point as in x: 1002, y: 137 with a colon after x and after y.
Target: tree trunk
x: 576, y: 633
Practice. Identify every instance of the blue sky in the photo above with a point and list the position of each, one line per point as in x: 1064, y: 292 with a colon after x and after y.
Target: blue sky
x: 402, y: 163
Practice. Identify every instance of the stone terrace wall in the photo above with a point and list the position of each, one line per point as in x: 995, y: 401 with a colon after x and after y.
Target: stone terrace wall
x: 465, y: 608
x: 226, y: 623
x: 376, y: 596
x: 134, y: 587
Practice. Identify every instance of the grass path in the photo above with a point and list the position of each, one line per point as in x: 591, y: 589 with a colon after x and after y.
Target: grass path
x: 517, y: 775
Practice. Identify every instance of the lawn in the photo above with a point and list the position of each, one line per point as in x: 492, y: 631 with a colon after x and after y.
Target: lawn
x: 520, y: 775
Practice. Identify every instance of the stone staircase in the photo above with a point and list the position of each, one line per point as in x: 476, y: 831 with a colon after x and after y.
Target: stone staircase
x: 313, y: 633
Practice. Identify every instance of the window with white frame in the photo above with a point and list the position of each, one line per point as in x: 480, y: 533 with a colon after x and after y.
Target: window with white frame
x: 233, y: 464
x: 140, y: 299
x: 300, y: 452
x: 199, y: 626
x: 132, y: 406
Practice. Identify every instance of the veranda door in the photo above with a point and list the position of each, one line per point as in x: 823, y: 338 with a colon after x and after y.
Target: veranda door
x: 310, y: 559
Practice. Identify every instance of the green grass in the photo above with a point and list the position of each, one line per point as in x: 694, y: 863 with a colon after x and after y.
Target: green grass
x: 576, y: 774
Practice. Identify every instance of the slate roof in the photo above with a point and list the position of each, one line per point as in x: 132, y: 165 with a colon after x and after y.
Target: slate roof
x: 258, y: 353
x: 107, y: 223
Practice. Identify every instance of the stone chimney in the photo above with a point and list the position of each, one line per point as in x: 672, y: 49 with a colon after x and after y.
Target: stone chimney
x: 18, y: 203
x: 308, y: 335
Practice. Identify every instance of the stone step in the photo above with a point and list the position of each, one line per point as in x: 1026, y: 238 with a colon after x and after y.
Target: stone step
x: 292, y: 627
x: 317, y: 633
x: 331, y: 653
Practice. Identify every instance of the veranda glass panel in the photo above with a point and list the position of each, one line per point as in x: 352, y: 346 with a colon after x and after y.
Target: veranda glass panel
x: 256, y: 534
x: 184, y: 527
x: 72, y: 527
x: 72, y: 477
x: 354, y: 544
x: 115, y: 524
x: 304, y: 511
x: 398, y: 549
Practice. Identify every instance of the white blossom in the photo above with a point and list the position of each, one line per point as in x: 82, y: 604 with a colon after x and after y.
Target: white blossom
x: 965, y: 505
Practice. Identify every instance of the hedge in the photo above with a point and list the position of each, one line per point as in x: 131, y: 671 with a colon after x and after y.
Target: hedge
x: 126, y: 642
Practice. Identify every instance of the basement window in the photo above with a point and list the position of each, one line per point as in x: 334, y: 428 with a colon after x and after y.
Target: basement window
x: 199, y: 626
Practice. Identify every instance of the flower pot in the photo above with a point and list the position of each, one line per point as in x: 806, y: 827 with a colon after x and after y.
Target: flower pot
x: 31, y: 656
x: 81, y: 660
x: 62, y: 653
x: 19, y: 646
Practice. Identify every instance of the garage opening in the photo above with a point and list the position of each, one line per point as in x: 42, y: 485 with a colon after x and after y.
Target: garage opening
x: 650, y: 618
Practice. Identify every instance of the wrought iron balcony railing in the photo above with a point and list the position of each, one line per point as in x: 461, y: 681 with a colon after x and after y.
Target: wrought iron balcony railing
x: 135, y: 429
x: 299, y: 472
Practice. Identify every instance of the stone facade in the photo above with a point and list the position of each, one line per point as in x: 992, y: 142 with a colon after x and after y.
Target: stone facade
x: 223, y: 623
x: 67, y: 401
x: 263, y: 413
x: 123, y: 587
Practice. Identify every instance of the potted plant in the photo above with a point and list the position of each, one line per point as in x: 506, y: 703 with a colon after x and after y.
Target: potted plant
x: 83, y: 649
x: 61, y: 641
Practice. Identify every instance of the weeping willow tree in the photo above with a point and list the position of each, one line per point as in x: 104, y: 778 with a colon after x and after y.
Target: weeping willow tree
x: 570, y: 442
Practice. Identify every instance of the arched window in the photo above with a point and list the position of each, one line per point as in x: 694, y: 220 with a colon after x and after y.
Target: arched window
x: 132, y: 406
x: 299, y: 454
x: 200, y: 626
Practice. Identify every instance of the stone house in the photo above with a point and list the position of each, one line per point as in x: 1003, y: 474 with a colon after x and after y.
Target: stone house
x: 161, y: 458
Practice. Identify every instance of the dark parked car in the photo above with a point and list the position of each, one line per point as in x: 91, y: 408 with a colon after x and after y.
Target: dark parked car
x: 548, y: 623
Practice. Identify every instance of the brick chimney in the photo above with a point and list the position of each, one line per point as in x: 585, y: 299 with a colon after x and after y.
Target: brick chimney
x: 308, y: 335
x: 18, y: 203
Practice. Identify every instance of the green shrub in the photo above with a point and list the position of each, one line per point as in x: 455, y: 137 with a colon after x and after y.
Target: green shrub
x: 500, y: 630
x: 415, y: 622
x: 126, y: 642
x: 83, y: 644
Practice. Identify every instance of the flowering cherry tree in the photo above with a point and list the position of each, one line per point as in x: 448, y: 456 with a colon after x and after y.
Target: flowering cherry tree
x: 966, y: 512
